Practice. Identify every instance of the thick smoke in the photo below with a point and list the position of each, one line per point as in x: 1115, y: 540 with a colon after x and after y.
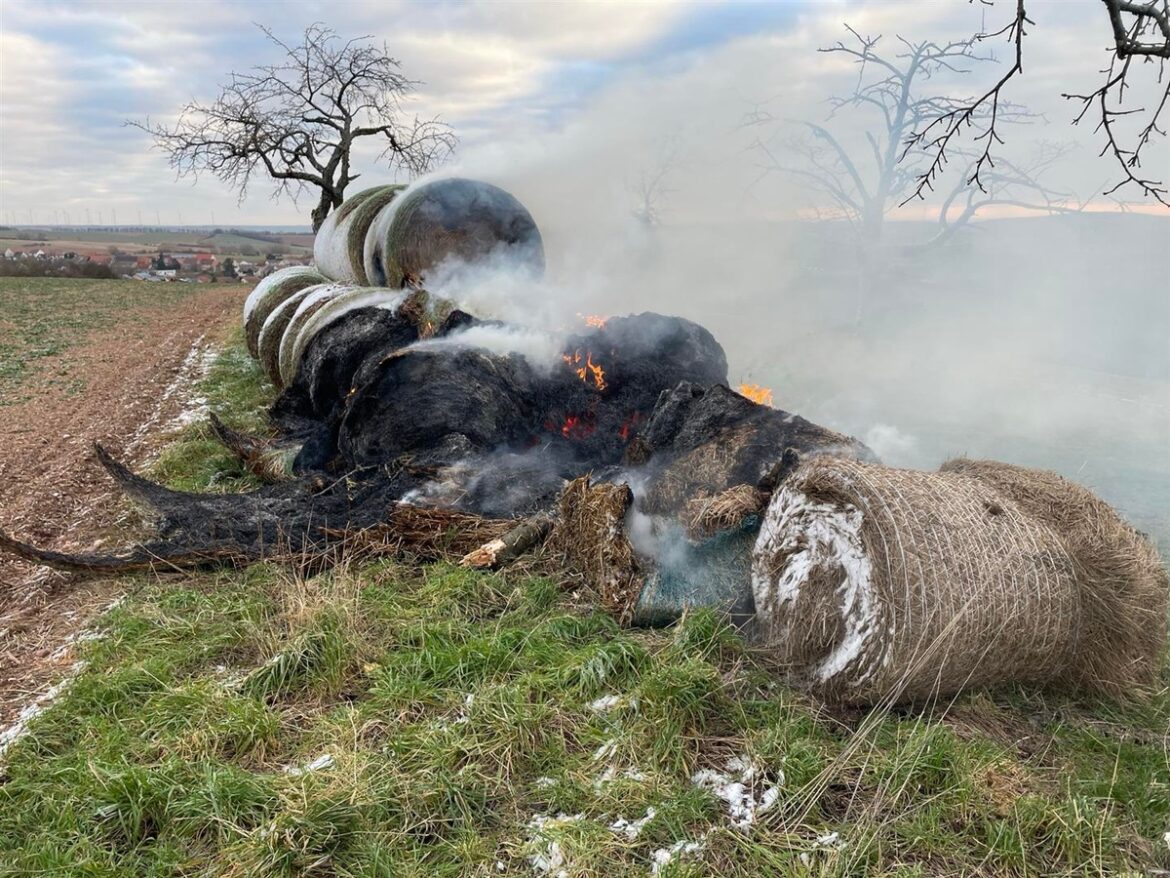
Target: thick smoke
x: 1036, y: 339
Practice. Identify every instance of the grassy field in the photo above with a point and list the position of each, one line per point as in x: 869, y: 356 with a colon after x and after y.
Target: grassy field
x: 41, y: 317
x: 397, y: 719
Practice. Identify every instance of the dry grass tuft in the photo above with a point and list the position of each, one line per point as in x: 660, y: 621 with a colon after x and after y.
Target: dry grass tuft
x: 590, y: 538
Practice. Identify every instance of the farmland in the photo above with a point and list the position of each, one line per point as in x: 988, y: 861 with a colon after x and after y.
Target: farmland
x: 42, y: 318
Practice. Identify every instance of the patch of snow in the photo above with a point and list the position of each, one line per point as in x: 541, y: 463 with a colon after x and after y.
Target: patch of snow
x: 739, y: 788
x: 663, y: 857
x: 195, y: 367
x: 831, y: 840
x: 815, y: 536
x: 605, y: 704
x: 36, y: 707
x: 543, y: 783
x: 631, y: 829
x: 321, y: 763
x: 607, y: 749
x: 549, y: 858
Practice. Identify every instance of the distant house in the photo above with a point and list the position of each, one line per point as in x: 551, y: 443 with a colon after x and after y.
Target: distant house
x: 166, y: 272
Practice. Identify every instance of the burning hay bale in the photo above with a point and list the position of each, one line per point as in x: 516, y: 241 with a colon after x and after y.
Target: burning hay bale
x: 590, y: 535
x: 702, y: 441
x: 334, y: 344
x: 453, y: 218
x: 339, y: 243
x: 875, y: 584
x: 269, y: 293
x: 417, y: 397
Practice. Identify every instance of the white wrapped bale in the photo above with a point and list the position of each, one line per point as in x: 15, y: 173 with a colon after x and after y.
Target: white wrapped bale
x: 450, y: 219
x: 339, y: 243
x: 271, y: 333
x: 300, y: 333
x: 270, y: 292
x: 304, y: 310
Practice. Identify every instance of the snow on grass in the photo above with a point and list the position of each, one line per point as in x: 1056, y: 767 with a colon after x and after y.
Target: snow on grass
x: 743, y: 788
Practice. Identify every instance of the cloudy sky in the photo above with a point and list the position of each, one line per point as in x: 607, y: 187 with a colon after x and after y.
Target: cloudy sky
x: 576, y: 101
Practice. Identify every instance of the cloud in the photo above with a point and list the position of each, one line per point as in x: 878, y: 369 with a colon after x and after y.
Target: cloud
x: 519, y: 82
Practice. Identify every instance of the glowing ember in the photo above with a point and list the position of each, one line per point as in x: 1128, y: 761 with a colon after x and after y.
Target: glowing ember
x: 576, y: 426
x: 594, y: 320
x: 627, y: 429
x: 756, y: 393
x: 587, y: 370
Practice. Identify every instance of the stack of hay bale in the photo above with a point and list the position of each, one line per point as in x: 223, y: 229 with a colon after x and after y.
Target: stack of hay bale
x: 377, y: 242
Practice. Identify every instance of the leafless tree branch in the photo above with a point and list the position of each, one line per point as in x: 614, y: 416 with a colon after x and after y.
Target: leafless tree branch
x: 296, y: 122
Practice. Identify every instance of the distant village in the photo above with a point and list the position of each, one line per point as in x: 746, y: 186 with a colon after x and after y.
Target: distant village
x: 169, y: 264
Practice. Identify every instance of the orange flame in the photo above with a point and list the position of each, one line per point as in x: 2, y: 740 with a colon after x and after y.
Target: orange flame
x: 756, y: 393
x: 594, y: 320
x: 587, y: 370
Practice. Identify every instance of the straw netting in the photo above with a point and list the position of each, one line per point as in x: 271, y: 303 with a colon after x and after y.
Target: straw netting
x: 288, y: 358
x: 590, y: 537
x: 332, y: 252
x: 875, y: 584
x: 270, y: 292
x: 1124, y: 583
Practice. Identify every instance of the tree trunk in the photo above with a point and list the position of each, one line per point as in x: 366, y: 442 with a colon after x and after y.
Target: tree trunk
x: 329, y: 200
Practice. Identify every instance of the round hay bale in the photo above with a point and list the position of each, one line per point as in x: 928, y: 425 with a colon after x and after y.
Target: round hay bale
x: 875, y: 584
x: 271, y: 333
x: 338, y: 245
x: 450, y: 218
x: 270, y: 292
x: 310, y: 305
x: 1124, y: 583
x: 301, y: 332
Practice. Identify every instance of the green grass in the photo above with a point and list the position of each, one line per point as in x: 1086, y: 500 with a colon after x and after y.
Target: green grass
x: 41, y: 318
x: 455, y: 725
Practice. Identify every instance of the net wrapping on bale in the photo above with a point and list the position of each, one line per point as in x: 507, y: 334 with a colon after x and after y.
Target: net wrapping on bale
x: 873, y: 583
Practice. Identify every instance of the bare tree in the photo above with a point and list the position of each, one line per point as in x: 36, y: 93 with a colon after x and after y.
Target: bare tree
x: 866, y: 180
x: 1140, y: 32
x: 652, y: 187
x: 297, y: 122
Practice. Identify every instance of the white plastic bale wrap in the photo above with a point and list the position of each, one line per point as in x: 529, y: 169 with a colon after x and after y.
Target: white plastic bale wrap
x: 338, y: 244
x: 306, y: 308
x: 377, y: 243
x: 876, y: 584
x: 270, y: 292
x: 300, y: 334
x: 272, y: 332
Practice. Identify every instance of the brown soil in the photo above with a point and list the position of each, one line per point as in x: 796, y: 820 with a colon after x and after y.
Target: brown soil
x: 53, y: 493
